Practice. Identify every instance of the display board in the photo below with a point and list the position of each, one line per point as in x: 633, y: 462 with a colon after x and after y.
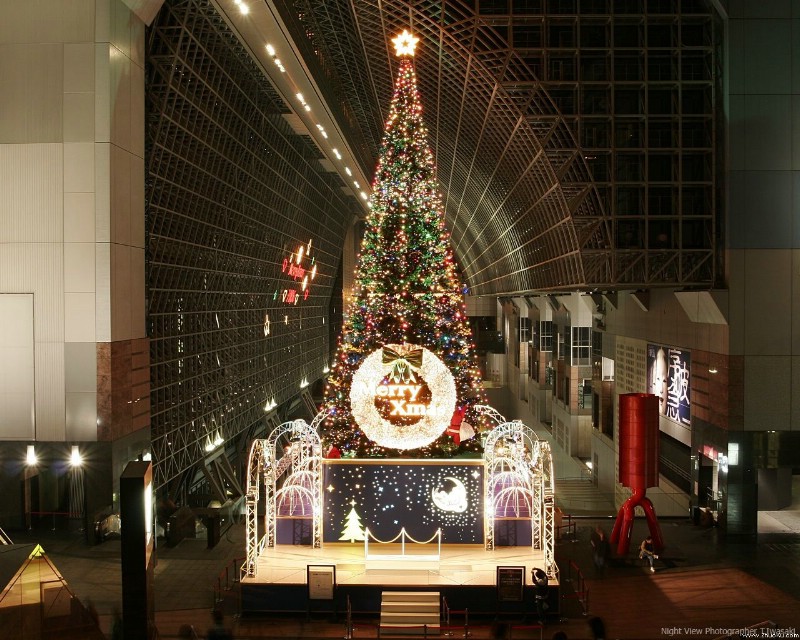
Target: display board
x: 510, y: 583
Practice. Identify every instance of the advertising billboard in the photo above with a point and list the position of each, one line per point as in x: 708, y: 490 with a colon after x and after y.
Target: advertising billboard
x: 668, y: 378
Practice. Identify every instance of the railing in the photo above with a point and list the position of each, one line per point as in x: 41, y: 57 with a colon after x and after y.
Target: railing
x: 4, y: 539
x: 348, y: 621
x: 402, y: 537
x: 448, y: 629
x: 581, y: 590
x: 226, y: 579
x: 570, y: 528
x: 446, y: 617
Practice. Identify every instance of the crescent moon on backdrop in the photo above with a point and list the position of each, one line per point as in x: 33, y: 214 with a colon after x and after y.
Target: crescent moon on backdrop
x: 454, y: 501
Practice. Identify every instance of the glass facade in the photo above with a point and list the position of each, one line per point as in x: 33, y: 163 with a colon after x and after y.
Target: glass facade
x: 244, y: 234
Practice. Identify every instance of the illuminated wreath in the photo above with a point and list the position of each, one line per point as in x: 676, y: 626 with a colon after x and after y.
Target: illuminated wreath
x: 385, y: 433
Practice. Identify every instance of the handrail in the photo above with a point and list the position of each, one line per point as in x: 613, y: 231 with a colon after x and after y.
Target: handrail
x: 402, y: 536
x: 348, y: 623
x: 233, y: 568
x: 581, y: 592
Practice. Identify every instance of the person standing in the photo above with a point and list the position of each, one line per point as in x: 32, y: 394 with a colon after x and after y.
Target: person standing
x: 600, y: 548
x: 647, y: 551
x: 540, y: 581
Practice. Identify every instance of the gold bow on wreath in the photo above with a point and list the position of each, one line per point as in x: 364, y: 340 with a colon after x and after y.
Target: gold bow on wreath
x: 403, y: 365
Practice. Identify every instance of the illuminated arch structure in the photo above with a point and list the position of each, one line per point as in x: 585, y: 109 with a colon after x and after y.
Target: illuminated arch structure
x: 519, y: 483
x: 292, y: 452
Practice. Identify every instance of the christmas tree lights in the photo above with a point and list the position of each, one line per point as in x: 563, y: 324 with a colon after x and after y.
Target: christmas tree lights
x: 404, y: 380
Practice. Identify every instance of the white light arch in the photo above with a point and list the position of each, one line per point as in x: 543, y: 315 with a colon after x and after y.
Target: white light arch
x: 293, y: 448
x: 520, y: 479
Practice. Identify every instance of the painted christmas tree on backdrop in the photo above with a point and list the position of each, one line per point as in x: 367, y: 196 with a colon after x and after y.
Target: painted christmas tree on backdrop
x: 404, y: 380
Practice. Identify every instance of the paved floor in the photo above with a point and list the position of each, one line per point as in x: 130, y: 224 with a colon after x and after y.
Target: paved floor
x: 702, y: 587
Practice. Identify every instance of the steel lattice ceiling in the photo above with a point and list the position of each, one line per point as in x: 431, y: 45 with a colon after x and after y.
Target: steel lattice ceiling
x: 524, y: 212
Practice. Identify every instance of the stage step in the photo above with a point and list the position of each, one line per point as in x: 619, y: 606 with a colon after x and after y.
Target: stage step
x: 405, y: 613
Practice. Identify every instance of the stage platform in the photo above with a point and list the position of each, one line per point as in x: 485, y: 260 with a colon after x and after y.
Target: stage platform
x: 457, y: 565
x: 465, y: 574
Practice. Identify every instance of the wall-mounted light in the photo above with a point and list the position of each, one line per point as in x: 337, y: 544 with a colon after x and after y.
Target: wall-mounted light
x: 211, y: 445
x: 75, y: 456
x: 712, y: 370
x: 30, y: 456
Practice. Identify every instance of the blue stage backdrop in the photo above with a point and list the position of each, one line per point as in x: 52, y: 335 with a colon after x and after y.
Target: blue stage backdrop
x: 387, y: 495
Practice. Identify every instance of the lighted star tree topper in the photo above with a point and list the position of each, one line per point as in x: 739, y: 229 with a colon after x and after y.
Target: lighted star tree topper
x: 404, y: 380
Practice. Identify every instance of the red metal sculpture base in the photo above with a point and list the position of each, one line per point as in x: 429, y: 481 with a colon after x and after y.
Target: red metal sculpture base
x: 623, y: 527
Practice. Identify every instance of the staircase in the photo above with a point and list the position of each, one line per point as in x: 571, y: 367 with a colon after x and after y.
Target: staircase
x: 406, y: 613
x: 575, y: 495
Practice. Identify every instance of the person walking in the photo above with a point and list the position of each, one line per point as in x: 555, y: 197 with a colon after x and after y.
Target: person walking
x: 647, y: 551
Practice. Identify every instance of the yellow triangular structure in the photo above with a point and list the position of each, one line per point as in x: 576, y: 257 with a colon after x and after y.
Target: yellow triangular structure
x: 37, y: 552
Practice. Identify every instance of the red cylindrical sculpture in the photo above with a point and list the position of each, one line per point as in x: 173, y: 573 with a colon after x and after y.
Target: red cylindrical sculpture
x: 638, y: 465
x: 638, y: 440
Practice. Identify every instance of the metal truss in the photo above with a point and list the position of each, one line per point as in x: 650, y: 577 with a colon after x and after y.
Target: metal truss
x: 293, y: 452
x: 521, y: 465
x: 231, y: 192
x: 576, y: 148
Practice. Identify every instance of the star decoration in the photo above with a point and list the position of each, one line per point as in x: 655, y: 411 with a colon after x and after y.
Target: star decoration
x: 404, y: 44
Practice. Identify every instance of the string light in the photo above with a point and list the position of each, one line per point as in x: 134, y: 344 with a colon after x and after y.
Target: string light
x: 391, y: 434
x: 407, y: 291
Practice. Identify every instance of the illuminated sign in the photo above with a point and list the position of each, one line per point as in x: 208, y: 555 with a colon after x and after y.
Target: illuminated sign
x: 668, y: 379
x: 402, y: 396
x: 301, y: 267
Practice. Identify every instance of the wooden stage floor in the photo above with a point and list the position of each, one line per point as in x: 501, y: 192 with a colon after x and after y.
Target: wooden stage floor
x: 458, y: 565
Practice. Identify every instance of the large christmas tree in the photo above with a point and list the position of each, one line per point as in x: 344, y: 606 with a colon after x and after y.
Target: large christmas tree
x: 404, y: 380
